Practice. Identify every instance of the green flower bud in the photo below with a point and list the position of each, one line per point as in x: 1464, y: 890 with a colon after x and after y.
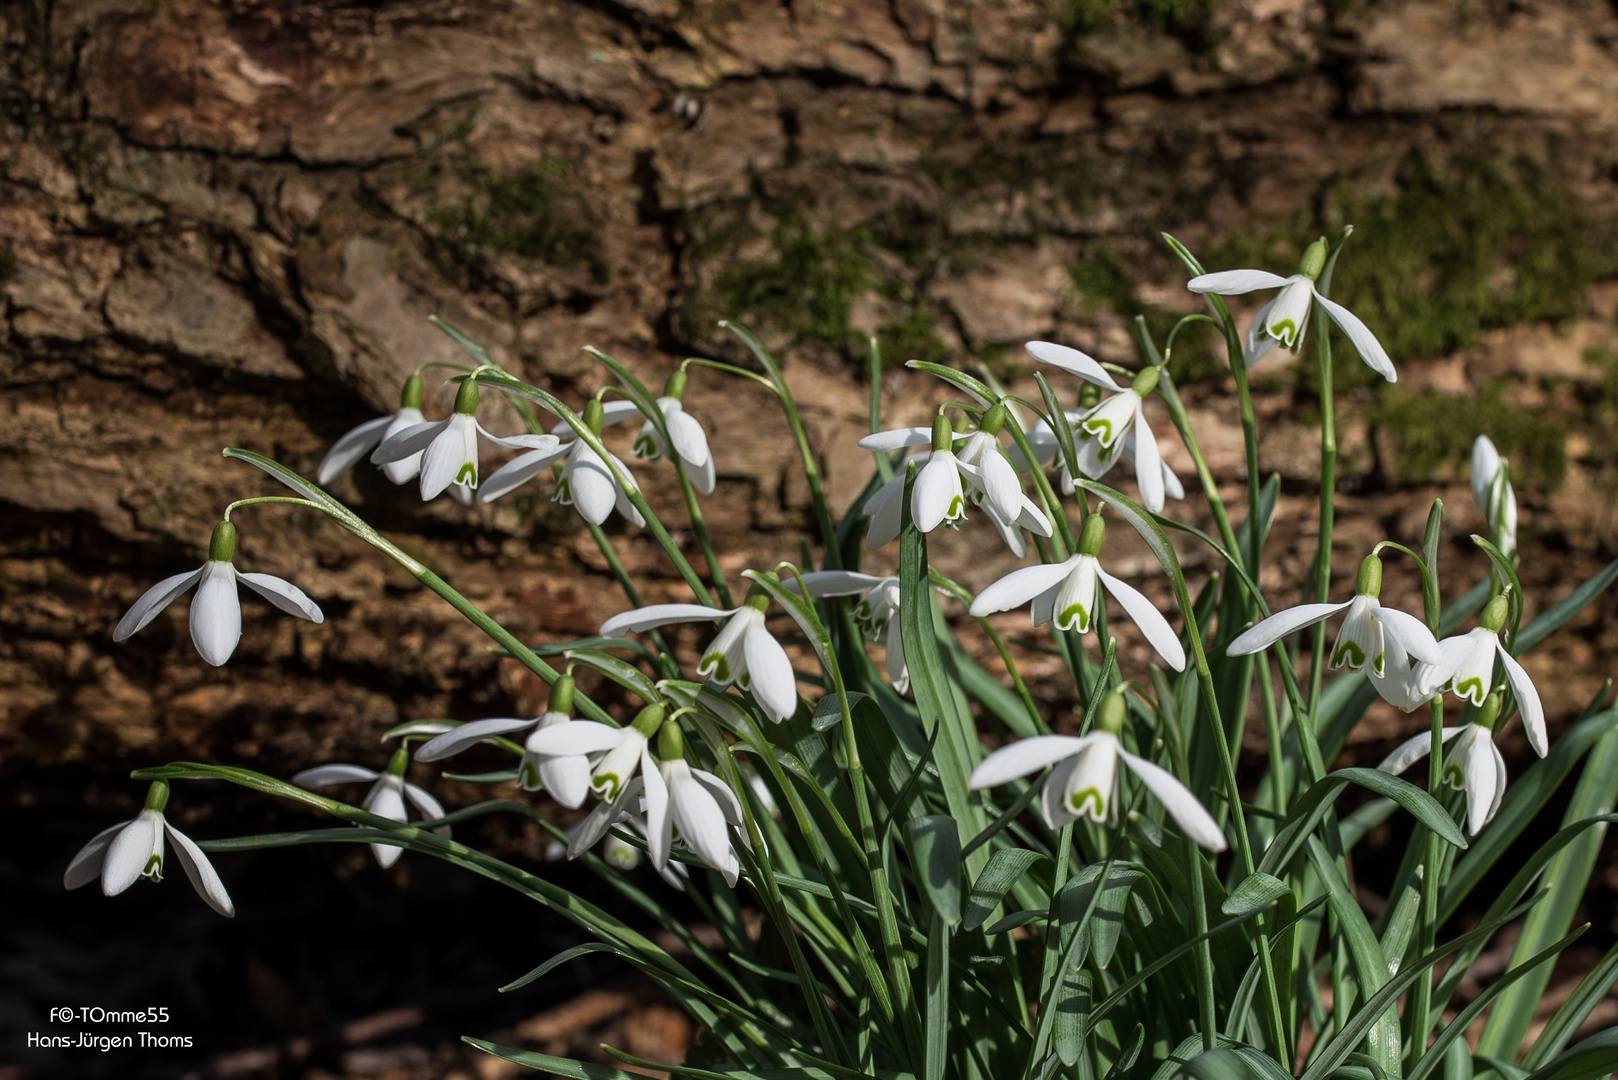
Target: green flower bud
x: 943, y: 433
x: 675, y: 387
x: 157, y: 796
x: 993, y: 420
x: 399, y: 762
x: 648, y: 719
x: 1493, y: 618
x: 466, y: 398
x: 410, y: 396
x: 594, y: 415
x: 562, y: 696
x: 1146, y: 381
x: 1489, y: 712
x: 757, y: 598
x: 1110, y: 717
x: 670, y: 741
x: 1369, y: 581
x: 1091, y: 534
x: 1314, y: 259
x: 222, y: 545
x: 1089, y: 395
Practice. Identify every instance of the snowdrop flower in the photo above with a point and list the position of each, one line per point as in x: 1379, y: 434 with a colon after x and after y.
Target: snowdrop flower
x: 134, y: 849
x: 690, y: 441
x: 945, y: 481
x: 1111, y: 419
x: 216, y: 612
x: 368, y: 436
x: 1085, y: 780
x: 1466, y: 669
x: 1491, y: 487
x: 1284, y: 318
x: 1363, y: 641
x: 448, y: 449
x: 1093, y: 462
x: 625, y: 751
x: 586, y: 483
x: 876, y: 614
x: 386, y: 798
x: 1473, y: 765
x: 697, y: 803
x: 744, y: 653
x: 565, y: 776
x: 1067, y: 592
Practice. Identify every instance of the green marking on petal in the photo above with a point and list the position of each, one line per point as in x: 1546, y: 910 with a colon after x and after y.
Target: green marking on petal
x: 1073, y: 616
x: 1101, y: 428
x: 468, y: 474
x: 1470, y: 689
x: 957, y: 508
x: 1077, y: 801
x: 1285, y: 331
x: 154, y: 868
x: 1353, y: 654
x: 714, y: 666
x: 645, y: 447
x: 528, y: 776
x: 1453, y: 776
x: 606, y: 785
x: 744, y: 680
x: 564, y: 492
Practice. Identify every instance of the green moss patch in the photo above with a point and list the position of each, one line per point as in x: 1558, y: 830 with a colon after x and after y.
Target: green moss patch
x: 529, y: 214
x: 1436, y: 430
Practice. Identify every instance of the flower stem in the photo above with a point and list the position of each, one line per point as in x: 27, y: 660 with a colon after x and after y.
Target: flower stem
x: 700, y: 528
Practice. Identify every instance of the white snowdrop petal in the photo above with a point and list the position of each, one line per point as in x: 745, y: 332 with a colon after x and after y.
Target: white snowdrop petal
x: 1365, y: 342
x: 1279, y: 625
x: 1236, y: 282
x: 86, y: 865
x: 1258, y: 343
x: 833, y: 583
x: 441, y: 462
x: 431, y: 809
x: 655, y: 615
x: 936, y: 496
x: 698, y: 816
x: 1411, y: 633
x: 1189, y: 814
x: 283, y: 594
x: 689, y: 440
x: 1533, y: 713
x: 204, y: 878
x: 576, y: 737
x: 1053, y: 796
x: 885, y: 442
x: 1499, y: 781
x: 412, y: 440
x: 353, y: 446
x: 321, y: 775
x: 659, y: 822
x: 130, y: 851
x: 1145, y: 615
x: 1023, y: 757
x: 386, y: 802
x: 1413, y: 750
x: 1000, y: 484
x: 1020, y: 586
x: 1480, y: 778
x: 593, y: 490
x: 773, y: 683
x: 898, y: 671
x: 153, y: 601
x: 459, y: 738
x: 519, y: 470
x: 1486, y: 462
x: 1148, y: 464
x: 406, y: 468
x: 1032, y: 518
x: 703, y: 477
x: 216, y: 614
x: 885, y: 508
x: 1073, y: 362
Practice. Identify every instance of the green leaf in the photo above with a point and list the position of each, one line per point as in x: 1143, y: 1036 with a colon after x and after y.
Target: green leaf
x: 1508, y: 574
x: 1551, y: 619
x: 1072, y: 1015
x: 1310, y: 809
x: 996, y: 879
x: 1255, y: 891
x: 1575, y: 1010
x: 1100, y: 932
x: 1370, y: 965
x: 503, y: 776
x: 1060, y: 428
x: 533, y: 1059
x: 1401, y: 924
x: 958, y: 379
x: 935, y: 1055
x: 1014, y: 920
x: 936, y: 842
x: 619, y: 671
x: 557, y: 961
x: 1594, y: 1057
x: 1234, y: 1063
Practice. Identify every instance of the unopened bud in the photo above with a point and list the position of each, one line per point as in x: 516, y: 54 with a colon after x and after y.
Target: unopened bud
x: 1493, y: 618
x: 1146, y: 381
x: 675, y: 387
x: 648, y: 720
x: 1091, y: 535
x: 943, y: 434
x: 1314, y: 259
x: 1369, y: 580
x: 157, y: 796
x: 466, y: 398
x: 222, y: 545
x: 410, y: 395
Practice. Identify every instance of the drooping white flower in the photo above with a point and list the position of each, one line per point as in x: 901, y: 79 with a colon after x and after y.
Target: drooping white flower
x: 1491, y: 487
x: 1284, y: 318
x: 595, y: 828
x: 368, y: 436
x: 1085, y: 780
x: 565, y: 776
x: 1067, y: 592
x: 131, y: 850
x: 690, y: 441
x: 386, y: 799
x: 216, y: 610
x: 697, y: 803
x: 1092, y: 461
x: 587, y: 482
x: 946, y: 480
x: 1466, y: 669
x: 623, y: 751
x: 1362, y: 641
x: 448, y: 449
x: 876, y: 614
x: 744, y: 652
x: 1473, y: 764
x: 1111, y: 419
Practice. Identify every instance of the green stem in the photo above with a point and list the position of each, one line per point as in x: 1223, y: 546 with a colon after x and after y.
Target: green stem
x: 1207, y: 1018
x: 700, y: 527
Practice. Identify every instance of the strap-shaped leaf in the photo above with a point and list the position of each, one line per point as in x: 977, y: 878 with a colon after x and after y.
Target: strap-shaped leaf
x: 1310, y: 808
x: 1100, y: 932
x: 1551, y: 619
x: 1508, y: 574
x: 557, y: 961
x: 958, y: 379
x: 1591, y: 991
x: 619, y: 671
x: 1072, y: 1015
x: 1234, y: 1063
x: 991, y: 886
x: 1255, y: 891
x: 1595, y: 1056
x: 936, y: 844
